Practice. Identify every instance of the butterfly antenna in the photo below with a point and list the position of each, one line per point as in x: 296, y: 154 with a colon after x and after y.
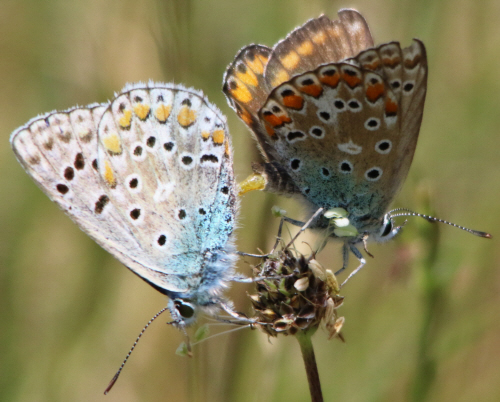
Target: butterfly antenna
x: 115, y: 378
x: 407, y: 212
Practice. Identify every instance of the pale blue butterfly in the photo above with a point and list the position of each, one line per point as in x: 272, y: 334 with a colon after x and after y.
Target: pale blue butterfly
x: 149, y: 177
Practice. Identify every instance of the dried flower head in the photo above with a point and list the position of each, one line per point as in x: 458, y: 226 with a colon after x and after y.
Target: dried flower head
x: 296, y: 294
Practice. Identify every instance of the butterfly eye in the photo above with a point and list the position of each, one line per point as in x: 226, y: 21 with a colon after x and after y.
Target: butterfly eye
x: 386, y: 228
x: 185, y: 310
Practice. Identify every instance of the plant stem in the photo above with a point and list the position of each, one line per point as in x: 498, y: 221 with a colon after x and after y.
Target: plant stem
x: 306, y: 347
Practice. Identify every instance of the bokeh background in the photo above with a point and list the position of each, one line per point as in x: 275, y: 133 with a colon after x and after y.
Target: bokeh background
x: 423, y: 317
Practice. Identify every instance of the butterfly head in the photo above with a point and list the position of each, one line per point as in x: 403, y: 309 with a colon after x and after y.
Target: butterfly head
x: 355, y: 230
x: 183, y: 312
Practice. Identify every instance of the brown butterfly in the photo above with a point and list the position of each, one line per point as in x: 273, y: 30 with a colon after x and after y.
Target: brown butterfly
x: 337, y: 121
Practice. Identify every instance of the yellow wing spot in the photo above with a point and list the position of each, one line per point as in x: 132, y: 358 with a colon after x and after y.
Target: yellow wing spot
x: 336, y: 32
x: 218, y: 137
x: 228, y: 149
x: 141, y: 111
x: 291, y: 60
x: 241, y: 93
x: 281, y: 77
x: 319, y: 38
x: 186, y: 116
x: 162, y: 113
x: 205, y: 135
x: 306, y: 48
x: 109, y: 176
x: 258, y: 64
x: 126, y: 119
x: 251, y: 183
x: 248, y: 77
x: 112, y: 143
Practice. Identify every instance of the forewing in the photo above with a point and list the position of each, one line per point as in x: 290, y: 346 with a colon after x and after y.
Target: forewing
x: 165, y: 155
x: 318, y: 41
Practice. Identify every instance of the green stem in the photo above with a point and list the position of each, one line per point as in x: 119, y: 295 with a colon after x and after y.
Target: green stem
x: 306, y: 347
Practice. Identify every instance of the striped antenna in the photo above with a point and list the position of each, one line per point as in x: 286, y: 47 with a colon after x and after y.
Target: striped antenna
x: 113, y: 380
x: 407, y: 212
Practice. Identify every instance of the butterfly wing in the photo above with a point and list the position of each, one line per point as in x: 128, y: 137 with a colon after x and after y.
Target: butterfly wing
x: 346, y: 132
x: 166, y: 212
x: 256, y: 70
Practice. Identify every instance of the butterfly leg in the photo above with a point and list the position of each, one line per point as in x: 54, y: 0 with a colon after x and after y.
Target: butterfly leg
x: 240, y: 318
x: 345, y: 258
x: 304, y: 225
x: 360, y: 258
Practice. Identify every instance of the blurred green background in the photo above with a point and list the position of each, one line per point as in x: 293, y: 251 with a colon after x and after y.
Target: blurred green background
x: 423, y: 317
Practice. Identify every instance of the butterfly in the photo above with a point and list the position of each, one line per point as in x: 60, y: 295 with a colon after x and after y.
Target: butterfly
x: 149, y: 177
x: 336, y: 120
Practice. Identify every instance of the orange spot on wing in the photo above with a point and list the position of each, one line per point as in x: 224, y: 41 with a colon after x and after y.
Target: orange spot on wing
x: 280, y: 78
x: 391, y: 107
x: 319, y: 38
x: 218, y: 137
x: 112, y: 143
x: 374, y: 92
x: 205, y: 135
x: 330, y: 80
x: 293, y: 101
x: 275, y: 120
x: 291, y: 60
x: 245, y: 116
x: 391, y: 63
x: 248, y: 77
x: 186, y: 116
x: 312, y: 90
x: 141, y: 111
x: 272, y: 119
x: 109, y: 176
x: 270, y: 131
x: 305, y: 48
x: 228, y: 149
x: 372, y: 66
x: 241, y: 93
x: 411, y: 63
x: 162, y: 113
x: 126, y: 119
x: 257, y: 64
x: 351, y: 80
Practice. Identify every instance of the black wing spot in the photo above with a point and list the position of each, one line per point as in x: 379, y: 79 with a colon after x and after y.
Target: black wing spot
x: 133, y: 183
x: 339, y: 104
x: 79, y: 161
x: 324, y: 115
x: 209, y: 158
x: 135, y: 213
x: 187, y: 160
x: 101, y: 203
x: 62, y: 188
x: 69, y: 173
x: 138, y: 150
x: 408, y: 87
x: 162, y: 239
